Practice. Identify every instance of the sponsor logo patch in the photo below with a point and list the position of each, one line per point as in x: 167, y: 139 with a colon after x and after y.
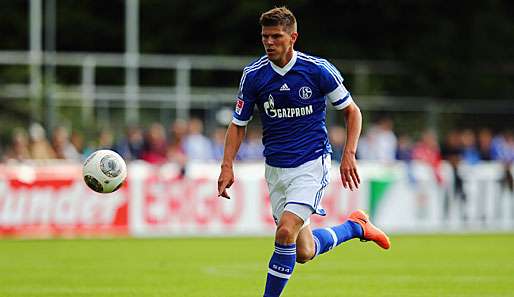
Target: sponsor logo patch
x: 286, y: 112
x: 239, y: 106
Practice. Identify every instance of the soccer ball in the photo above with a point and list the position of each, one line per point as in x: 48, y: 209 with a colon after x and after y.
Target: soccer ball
x: 104, y: 171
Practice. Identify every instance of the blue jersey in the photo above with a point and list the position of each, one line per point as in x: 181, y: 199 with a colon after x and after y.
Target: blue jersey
x: 292, y: 106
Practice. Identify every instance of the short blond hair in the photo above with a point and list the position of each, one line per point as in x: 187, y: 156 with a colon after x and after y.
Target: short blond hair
x: 279, y: 16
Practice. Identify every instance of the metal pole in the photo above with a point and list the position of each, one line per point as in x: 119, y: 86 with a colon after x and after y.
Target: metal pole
x: 432, y: 117
x: 362, y: 79
x: 88, y: 90
x: 35, y: 24
x: 183, y: 88
x: 132, y: 61
x: 50, y: 14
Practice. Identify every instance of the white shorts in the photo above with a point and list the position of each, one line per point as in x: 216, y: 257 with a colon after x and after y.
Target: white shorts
x: 300, y: 189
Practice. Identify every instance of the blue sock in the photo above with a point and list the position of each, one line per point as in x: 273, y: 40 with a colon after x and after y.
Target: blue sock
x: 326, y: 239
x: 280, y: 269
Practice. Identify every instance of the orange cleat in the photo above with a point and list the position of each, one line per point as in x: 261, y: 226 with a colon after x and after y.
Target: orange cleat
x: 371, y: 233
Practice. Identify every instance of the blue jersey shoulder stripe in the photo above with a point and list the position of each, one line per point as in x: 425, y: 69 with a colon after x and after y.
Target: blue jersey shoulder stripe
x: 324, y: 63
x: 336, y: 76
x: 335, y: 71
x: 246, y: 72
x: 252, y: 66
x: 255, y: 63
x: 249, y: 70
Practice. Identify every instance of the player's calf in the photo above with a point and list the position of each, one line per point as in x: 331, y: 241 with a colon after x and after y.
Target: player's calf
x: 283, y: 260
x: 304, y: 254
x: 305, y: 248
x: 328, y: 238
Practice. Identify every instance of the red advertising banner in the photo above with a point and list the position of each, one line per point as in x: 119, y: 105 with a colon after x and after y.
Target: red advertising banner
x: 46, y: 201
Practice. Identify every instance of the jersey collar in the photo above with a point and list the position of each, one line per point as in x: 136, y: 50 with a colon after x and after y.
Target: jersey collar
x: 283, y: 70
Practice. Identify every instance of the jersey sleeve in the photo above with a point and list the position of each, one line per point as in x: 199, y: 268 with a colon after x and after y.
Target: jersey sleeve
x: 332, y: 85
x: 245, y: 101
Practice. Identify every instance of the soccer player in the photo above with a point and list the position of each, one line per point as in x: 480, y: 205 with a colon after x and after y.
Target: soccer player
x: 290, y: 89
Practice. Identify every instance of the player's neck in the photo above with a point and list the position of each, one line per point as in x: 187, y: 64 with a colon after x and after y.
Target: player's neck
x: 286, y: 59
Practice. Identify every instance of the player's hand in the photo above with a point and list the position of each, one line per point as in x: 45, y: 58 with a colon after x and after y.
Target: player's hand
x: 349, y: 174
x: 225, y: 180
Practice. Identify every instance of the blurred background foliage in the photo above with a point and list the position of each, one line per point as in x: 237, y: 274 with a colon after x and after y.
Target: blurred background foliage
x: 450, y: 49
x: 445, y: 49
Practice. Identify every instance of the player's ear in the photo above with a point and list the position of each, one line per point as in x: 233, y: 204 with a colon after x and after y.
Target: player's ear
x: 294, y: 36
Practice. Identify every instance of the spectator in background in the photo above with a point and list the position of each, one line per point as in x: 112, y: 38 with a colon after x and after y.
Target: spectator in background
x: 452, y: 151
x: 155, y: 146
x: 386, y: 140
x: 178, y: 133
x: 337, y: 136
x: 379, y: 143
x: 364, y: 148
x: 485, y: 138
x: 509, y: 139
x: 196, y: 145
x: 77, y: 139
x: 427, y: 150
x: 502, y: 147
x: 218, y: 142
x: 40, y: 148
x: 62, y: 145
x: 105, y: 139
x: 470, y: 153
x: 175, y: 150
x: 252, y: 148
x: 404, y: 148
x: 452, y: 148
x: 19, y: 149
x: 130, y: 147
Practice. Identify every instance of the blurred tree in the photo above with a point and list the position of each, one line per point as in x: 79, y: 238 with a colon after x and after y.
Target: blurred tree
x: 14, y: 25
x: 451, y: 49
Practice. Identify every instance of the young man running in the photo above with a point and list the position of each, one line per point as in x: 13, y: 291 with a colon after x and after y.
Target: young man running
x: 290, y: 89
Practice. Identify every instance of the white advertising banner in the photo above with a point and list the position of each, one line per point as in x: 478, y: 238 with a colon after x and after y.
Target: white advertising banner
x: 400, y: 197
x: 164, y: 204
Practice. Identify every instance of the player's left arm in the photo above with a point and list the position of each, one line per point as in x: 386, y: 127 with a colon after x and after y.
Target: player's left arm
x: 331, y: 82
x: 348, y: 169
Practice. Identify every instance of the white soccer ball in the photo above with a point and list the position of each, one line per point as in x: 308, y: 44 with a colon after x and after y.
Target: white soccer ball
x: 104, y: 171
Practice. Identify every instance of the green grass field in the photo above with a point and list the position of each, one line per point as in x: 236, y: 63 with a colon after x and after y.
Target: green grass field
x: 453, y: 266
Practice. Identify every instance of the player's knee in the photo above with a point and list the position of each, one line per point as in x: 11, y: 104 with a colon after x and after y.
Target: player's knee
x: 285, y: 234
x: 304, y: 254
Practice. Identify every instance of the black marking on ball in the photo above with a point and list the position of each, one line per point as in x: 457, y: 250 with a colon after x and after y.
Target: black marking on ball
x: 94, y: 184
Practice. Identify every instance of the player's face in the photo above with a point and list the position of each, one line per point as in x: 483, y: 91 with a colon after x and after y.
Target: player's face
x: 278, y: 44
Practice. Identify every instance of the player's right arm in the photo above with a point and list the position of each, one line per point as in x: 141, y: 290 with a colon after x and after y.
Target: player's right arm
x: 236, y: 132
x: 233, y: 140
